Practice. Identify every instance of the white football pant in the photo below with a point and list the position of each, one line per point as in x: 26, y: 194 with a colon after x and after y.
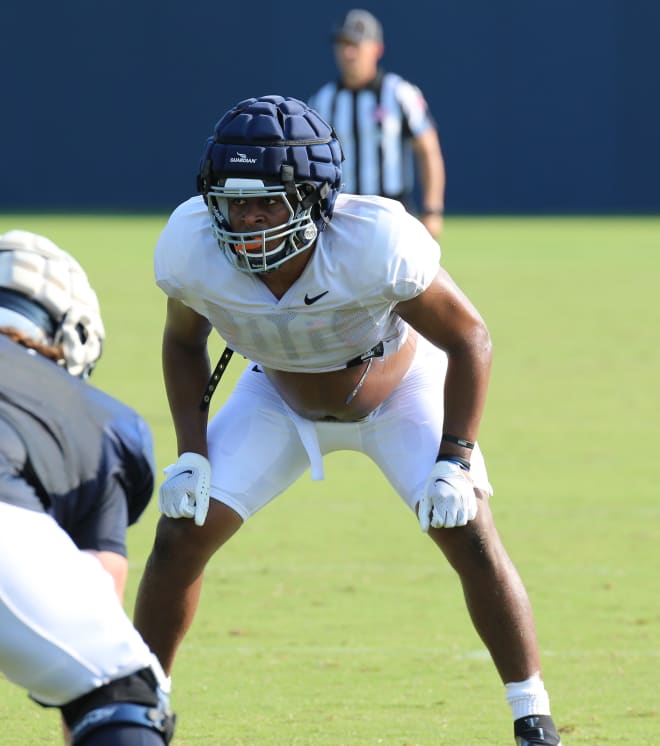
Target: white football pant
x: 63, y: 631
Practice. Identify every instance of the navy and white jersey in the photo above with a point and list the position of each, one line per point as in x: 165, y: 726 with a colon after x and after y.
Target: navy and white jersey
x: 372, y: 255
x: 69, y: 449
x: 376, y: 126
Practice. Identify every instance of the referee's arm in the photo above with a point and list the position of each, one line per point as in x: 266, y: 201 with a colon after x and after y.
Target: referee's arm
x: 431, y: 167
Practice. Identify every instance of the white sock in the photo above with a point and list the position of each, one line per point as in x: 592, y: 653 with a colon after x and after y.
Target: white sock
x: 528, y: 697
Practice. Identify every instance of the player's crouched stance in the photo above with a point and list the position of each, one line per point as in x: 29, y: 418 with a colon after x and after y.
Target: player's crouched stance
x: 76, y: 468
x: 357, y: 340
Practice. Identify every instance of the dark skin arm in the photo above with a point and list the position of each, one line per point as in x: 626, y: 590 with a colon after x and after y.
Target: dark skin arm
x: 448, y: 319
x: 186, y: 371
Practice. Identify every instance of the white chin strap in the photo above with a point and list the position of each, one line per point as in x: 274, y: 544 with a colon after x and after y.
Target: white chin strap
x: 21, y: 323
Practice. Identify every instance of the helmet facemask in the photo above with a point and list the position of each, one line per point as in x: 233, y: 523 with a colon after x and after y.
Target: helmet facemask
x: 252, y: 251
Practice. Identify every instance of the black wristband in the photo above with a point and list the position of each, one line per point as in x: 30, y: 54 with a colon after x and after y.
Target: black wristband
x: 438, y: 212
x: 458, y: 441
x: 462, y: 462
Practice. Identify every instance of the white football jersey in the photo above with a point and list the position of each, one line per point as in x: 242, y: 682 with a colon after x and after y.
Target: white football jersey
x: 372, y: 255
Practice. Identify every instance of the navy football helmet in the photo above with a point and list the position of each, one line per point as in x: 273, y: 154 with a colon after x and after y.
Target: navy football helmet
x: 271, y: 147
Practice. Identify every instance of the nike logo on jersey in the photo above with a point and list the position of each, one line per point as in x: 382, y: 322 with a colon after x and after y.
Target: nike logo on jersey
x: 309, y: 300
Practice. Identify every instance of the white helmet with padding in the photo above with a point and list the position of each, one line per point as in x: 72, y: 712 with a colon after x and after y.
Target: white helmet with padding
x: 36, y: 276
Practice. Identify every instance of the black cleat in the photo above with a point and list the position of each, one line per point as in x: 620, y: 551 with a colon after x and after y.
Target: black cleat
x: 536, y: 730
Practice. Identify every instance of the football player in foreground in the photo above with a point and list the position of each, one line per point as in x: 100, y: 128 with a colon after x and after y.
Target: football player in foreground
x: 357, y: 339
x: 76, y: 468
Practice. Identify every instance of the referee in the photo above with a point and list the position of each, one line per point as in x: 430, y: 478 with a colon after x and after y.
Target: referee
x: 381, y: 120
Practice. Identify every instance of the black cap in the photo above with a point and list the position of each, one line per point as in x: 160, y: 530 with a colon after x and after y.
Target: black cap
x: 359, y: 25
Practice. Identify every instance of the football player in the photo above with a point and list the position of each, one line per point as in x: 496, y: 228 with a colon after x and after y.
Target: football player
x: 76, y: 468
x: 357, y: 339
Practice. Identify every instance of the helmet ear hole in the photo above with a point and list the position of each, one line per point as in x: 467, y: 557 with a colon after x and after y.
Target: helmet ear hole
x: 316, y: 213
x: 82, y: 333
x: 314, y: 194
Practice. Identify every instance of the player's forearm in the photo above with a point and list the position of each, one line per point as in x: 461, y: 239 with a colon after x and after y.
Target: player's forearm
x: 466, y: 388
x: 186, y: 371
x: 115, y: 564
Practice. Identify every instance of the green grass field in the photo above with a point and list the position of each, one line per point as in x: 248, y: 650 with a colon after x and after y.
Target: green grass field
x: 331, y: 620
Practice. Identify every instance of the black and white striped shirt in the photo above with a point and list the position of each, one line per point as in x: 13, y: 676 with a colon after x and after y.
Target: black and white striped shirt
x: 376, y: 126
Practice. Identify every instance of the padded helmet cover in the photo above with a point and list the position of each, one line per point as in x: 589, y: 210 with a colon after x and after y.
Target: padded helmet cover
x: 42, y: 273
x: 259, y: 136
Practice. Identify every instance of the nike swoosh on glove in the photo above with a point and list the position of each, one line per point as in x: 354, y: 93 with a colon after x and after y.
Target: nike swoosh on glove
x: 448, y: 500
x: 185, y: 492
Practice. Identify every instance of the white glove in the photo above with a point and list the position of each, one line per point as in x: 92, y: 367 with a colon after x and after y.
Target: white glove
x: 185, y: 492
x: 448, y: 499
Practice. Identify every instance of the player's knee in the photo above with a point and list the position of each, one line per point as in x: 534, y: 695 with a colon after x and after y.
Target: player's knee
x: 180, y: 544
x: 130, y: 711
x: 176, y: 554
x: 474, y: 548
